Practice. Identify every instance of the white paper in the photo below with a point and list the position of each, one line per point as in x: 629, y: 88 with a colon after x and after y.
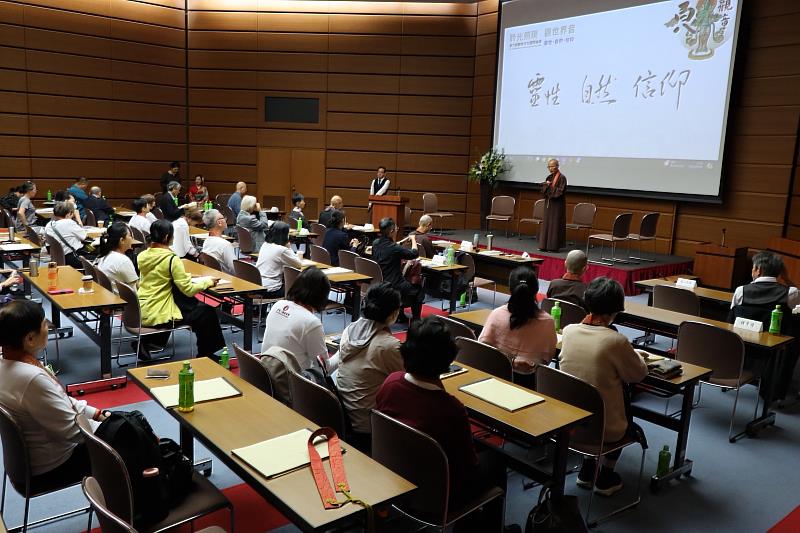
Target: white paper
x: 282, y: 454
x: 490, y: 252
x: 199, y: 235
x: 441, y: 243
x: 15, y: 247
x: 204, y: 390
x: 336, y: 270
x: 502, y: 394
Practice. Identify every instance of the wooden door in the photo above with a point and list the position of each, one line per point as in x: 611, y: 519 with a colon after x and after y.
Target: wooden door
x: 284, y: 171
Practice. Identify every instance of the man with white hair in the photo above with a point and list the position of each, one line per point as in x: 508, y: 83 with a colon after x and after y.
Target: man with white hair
x: 215, y: 246
x: 98, y: 205
x: 571, y: 287
x: 425, y: 225
x: 235, y: 201
x: 250, y: 218
x: 325, y: 216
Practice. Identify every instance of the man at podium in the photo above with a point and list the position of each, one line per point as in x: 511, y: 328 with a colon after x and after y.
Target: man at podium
x: 379, y: 185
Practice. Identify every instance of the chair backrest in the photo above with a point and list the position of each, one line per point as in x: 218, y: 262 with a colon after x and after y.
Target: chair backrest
x: 570, y: 313
x: 158, y: 213
x: 649, y: 225
x: 89, y: 219
x: 280, y: 363
x: 622, y: 225
x: 418, y: 458
x: 456, y: 328
x: 368, y: 267
x: 131, y: 313
x: 15, y: 452
x: 676, y: 299
x: 579, y: 393
x: 209, y: 261
x: 56, y: 250
x: 503, y: 206
x: 320, y: 255
x: 8, y: 218
x: 32, y: 236
x: 138, y: 235
x: 222, y: 198
x: 88, y: 267
x: 290, y: 274
x: 712, y: 347
x: 430, y: 203
x: 347, y: 259
x: 251, y: 370
x: 583, y: 214
x: 245, y: 239
x: 230, y: 217
x: 538, y: 209
x: 468, y: 261
x: 110, y: 472
x: 317, y: 403
x: 109, y: 522
x: 320, y: 230
x: 246, y: 271
x: 103, y: 280
x: 484, y: 357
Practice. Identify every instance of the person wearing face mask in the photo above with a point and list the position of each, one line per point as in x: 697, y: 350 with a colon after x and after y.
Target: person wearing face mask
x: 38, y: 403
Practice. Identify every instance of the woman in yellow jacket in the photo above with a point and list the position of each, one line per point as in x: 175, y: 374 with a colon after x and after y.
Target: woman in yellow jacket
x: 161, y: 271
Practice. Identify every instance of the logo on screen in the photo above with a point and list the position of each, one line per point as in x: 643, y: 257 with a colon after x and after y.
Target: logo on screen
x: 703, y: 25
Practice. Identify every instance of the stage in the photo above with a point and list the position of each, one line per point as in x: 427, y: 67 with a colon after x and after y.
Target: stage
x: 553, y: 266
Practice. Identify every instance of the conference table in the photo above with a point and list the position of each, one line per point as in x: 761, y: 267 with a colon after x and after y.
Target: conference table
x: 682, y: 385
x: 102, y: 303
x: 551, y: 419
x: 236, y: 290
x: 663, y: 322
x: 494, y: 265
x: 20, y: 250
x: 454, y: 272
x: 227, y: 424
x: 714, y: 303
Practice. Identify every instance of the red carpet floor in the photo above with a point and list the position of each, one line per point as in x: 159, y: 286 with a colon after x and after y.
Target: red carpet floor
x: 790, y: 523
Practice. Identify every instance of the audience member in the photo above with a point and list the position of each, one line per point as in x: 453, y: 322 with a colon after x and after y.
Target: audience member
x: 368, y: 353
x: 112, y: 257
x: 389, y: 255
x: 38, y: 402
x: 66, y: 196
x: 168, y: 203
x: 235, y: 201
x: 78, y: 190
x: 336, y: 205
x: 151, y: 204
x: 172, y: 174
x: 98, y: 205
x: 198, y: 192
x: 417, y: 398
x: 597, y: 354
x: 11, y: 200
x: 424, y: 227
x: 298, y: 203
x: 64, y: 230
x: 292, y: 324
x: 161, y: 271
x: 182, y: 242
x: 336, y: 238
x: 273, y: 255
x: 570, y: 287
x: 26, y: 212
x: 250, y: 218
x: 215, y: 246
x: 520, y: 329
x: 140, y: 220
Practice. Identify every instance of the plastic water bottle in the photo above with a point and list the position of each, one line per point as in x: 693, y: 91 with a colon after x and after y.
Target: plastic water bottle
x: 299, y: 225
x: 49, y: 195
x: 176, y: 201
x: 664, y: 458
x: 52, y: 275
x: 225, y: 359
x: 555, y: 312
x: 451, y: 255
x: 775, y: 320
x: 186, y: 388
x: 463, y: 300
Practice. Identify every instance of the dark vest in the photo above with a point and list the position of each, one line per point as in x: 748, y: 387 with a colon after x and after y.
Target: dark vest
x: 759, y: 300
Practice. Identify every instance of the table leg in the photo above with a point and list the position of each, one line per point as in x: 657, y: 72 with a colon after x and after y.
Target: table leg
x: 187, y: 442
x: 26, y: 285
x: 356, y: 301
x: 560, y: 464
x: 453, y: 290
x: 247, y: 329
x: 105, y: 343
x: 681, y: 465
x: 767, y: 417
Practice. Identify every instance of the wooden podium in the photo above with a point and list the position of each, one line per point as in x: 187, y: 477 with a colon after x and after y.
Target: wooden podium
x: 721, y: 267
x: 389, y: 206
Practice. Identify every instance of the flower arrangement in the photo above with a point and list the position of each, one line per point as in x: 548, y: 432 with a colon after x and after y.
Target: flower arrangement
x: 489, y: 167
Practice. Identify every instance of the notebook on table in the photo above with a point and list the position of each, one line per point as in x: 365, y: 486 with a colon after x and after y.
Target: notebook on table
x: 281, y: 455
x: 502, y: 394
x: 205, y: 390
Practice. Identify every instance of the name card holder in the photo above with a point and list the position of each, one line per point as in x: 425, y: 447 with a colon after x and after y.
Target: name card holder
x: 749, y: 325
x: 466, y: 246
x: 688, y: 284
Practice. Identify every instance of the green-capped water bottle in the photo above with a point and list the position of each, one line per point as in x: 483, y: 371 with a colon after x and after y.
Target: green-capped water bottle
x: 463, y: 300
x: 49, y: 195
x: 555, y: 312
x: 225, y: 358
x: 451, y: 255
x: 175, y: 200
x: 299, y: 224
x: 775, y: 320
x: 186, y: 388
x: 664, y: 458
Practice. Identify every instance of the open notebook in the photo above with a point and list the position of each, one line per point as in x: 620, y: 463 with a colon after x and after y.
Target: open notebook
x: 204, y: 391
x: 502, y: 394
x: 281, y: 455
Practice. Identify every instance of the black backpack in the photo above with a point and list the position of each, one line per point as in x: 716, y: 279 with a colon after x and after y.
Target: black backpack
x: 132, y: 437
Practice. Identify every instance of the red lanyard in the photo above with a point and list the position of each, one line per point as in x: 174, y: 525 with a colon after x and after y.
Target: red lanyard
x: 326, y: 491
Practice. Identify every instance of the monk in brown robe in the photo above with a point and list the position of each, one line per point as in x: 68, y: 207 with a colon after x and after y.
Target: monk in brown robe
x: 553, y: 231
